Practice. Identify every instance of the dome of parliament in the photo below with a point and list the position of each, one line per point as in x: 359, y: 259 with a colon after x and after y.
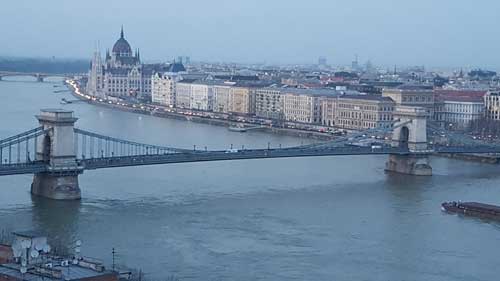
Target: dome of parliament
x: 122, y: 47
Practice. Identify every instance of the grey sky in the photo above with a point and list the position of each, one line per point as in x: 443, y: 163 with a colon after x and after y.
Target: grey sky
x: 403, y: 32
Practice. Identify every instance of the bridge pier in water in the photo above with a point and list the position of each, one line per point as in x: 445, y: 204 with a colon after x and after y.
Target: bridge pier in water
x: 57, y: 149
x: 412, y: 135
x: 39, y: 78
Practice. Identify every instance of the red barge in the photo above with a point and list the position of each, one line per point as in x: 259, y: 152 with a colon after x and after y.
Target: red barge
x: 474, y: 209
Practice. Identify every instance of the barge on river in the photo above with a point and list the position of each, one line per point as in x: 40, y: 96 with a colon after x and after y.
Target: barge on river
x: 474, y: 209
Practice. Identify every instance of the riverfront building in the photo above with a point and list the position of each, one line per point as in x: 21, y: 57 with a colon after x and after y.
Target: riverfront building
x: 364, y: 112
x: 222, y: 98
x: 269, y: 103
x: 163, y: 85
x: 243, y: 100
x: 216, y: 96
x: 492, y: 104
x: 304, y: 105
x: 457, y: 109
x: 328, y: 111
x: 121, y: 74
x: 412, y: 96
x: 183, y: 94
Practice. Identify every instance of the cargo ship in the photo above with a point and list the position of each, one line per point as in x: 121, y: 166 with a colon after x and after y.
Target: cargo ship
x: 474, y: 209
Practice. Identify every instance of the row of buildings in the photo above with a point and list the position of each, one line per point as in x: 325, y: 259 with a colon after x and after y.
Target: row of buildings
x: 333, y: 108
x: 294, y: 96
x: 327, y: 107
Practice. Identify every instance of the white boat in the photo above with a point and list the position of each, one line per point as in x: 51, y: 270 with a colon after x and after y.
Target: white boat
x: 237, y: 129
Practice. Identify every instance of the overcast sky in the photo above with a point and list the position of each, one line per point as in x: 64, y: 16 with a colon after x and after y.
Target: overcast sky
x: 388, y: 32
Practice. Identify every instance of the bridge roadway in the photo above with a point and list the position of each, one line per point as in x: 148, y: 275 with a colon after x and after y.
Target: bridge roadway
x: 38, y: 75
x: 223, y: 155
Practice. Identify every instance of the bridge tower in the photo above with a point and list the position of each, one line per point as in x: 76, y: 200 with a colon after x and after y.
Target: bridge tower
x: 57, y: 149
x: 410, y: 133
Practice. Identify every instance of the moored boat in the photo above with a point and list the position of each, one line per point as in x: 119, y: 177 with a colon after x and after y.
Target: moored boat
x: 237, y: 129
x: 472, y: 209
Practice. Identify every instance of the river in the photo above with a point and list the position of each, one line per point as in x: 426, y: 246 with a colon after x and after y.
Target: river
x: 325, y: 218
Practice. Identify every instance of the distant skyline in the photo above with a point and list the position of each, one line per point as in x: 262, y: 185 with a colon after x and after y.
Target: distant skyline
x: 442, y: 33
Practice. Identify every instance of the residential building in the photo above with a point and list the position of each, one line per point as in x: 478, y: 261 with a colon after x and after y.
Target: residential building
x: 194, y: 94
x: 242, y: 100
x: 163, y: 85
x: 183, y: 94
x: 163, y: 89
x: 269, y: 103
x: 492, y: 105
x: 328, y: 111
x: 299, y: 108
x: 222, y: 98
x: 304, y: 105
x: 362, y: 112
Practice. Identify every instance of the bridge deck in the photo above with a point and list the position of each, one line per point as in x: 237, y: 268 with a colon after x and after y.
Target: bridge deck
x: 111, y: 162
x: 201, y: 156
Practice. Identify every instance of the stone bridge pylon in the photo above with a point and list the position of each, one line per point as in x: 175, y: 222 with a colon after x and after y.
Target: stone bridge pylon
x: 410, y: 132
x: 57, y: 149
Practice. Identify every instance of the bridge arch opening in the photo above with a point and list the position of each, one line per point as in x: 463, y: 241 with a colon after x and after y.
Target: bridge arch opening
x: 404, y: 136
x: 46, y: 148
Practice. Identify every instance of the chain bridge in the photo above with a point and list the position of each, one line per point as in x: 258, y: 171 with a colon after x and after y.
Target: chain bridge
x: 57, y: 152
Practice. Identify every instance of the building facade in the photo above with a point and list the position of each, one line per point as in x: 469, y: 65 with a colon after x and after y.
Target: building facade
x: 299, y: 108
x: 164, y: 84
x: 163, y: 89
x: 304, y: 105
x: 492, y: 105
x: 412, y: 96
x: 183, y: 94
x: 364, y: 112
x: 328, y: 111
x: 202, y: 97
x: 242, y: 101
x: 269, y: 103
x: 457, y: 109
x: 222, y: 98
x: 121, y: 74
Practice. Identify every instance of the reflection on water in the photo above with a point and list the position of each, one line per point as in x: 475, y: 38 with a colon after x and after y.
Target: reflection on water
x: 328, y: 218
x: 58, y: 220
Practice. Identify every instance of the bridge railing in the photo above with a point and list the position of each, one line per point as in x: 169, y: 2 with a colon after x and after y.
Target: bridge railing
x: 20, y: 148
x: 93, y: 145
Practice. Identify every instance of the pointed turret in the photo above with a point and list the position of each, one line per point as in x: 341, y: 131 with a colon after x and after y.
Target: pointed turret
x: 121, y: 33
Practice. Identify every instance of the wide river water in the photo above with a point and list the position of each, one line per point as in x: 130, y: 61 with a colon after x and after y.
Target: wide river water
x: 325, y: 218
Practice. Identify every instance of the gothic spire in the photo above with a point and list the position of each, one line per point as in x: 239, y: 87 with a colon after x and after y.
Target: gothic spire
x: 121, y: 33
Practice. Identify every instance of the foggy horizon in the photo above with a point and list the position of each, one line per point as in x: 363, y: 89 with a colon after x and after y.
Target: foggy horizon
x: 444, y: 34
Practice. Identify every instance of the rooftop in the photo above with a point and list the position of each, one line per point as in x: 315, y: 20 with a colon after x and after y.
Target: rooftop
x: 368, y: 97
x: 460, y: 95
x: 70, y: 272
x: 311, y: 92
